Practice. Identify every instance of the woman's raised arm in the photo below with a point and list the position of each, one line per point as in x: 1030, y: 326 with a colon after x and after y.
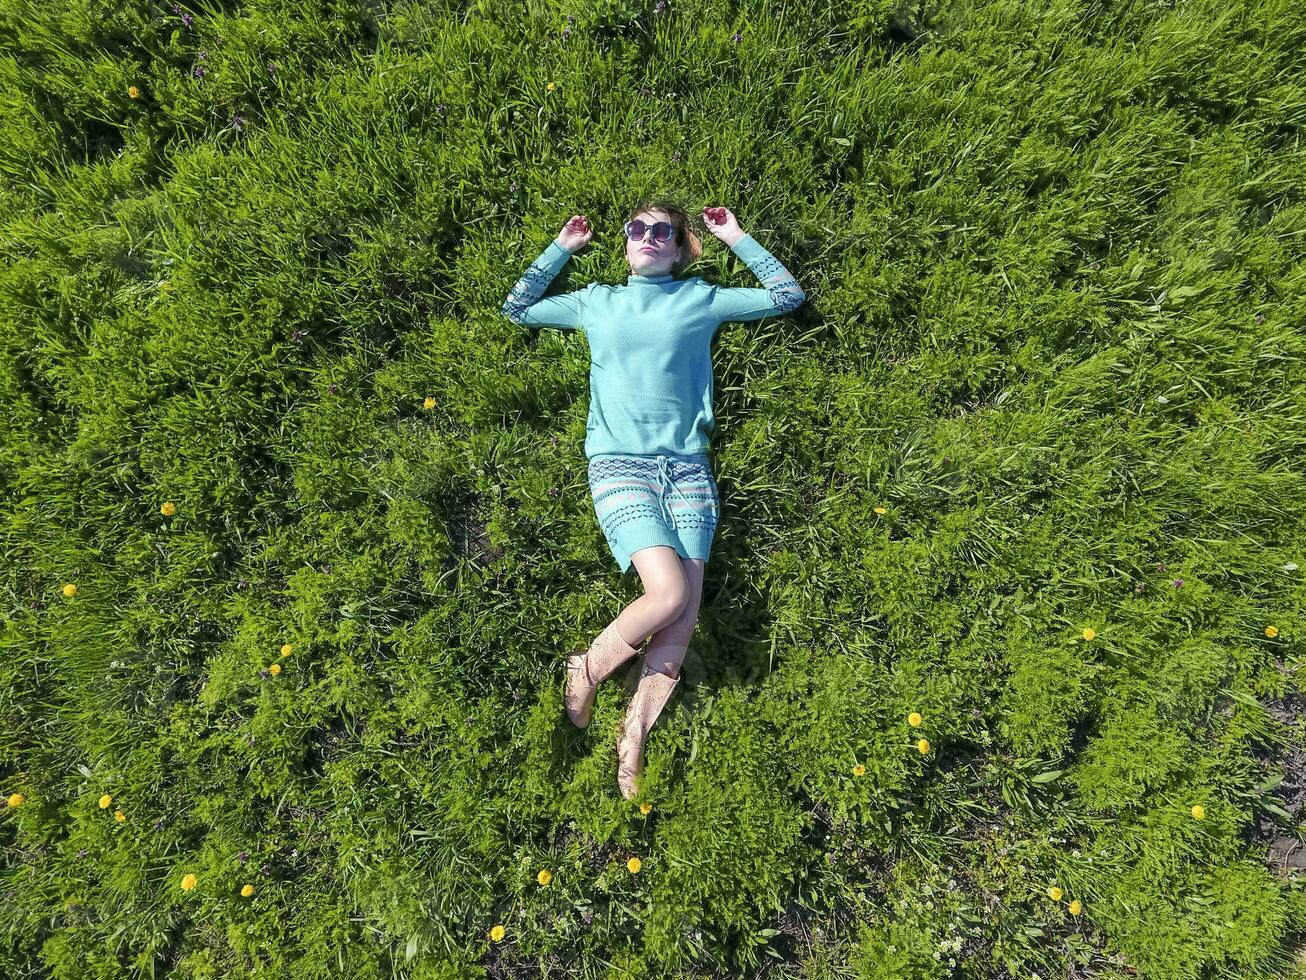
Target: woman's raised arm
x: 526, y: 303
x: 780, y: 291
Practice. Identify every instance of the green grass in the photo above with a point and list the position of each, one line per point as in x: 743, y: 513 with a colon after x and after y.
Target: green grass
x: 1053, y: 254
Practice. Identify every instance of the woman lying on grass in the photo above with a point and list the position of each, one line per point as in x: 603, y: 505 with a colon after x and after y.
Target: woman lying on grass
x: 648, y: 434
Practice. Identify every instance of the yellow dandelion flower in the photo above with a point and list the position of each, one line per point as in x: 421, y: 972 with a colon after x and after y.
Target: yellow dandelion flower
x: 286, y: 649
x: 1054, y: 893
x: 1198, y: 811
x: 119, y: 816
x: 1271, y: 631
x: 645, y: 807
x: 16, y: 799
x: 106, y: 801
x: 247, y: 891
x: 545, y: 876
x: 550, y: 87
x: 859, y: 770
x: 496, y: 934
x: 189, y: 882
x: 133, y: 91
x: 634, y: 864
x: 1088, y: 633
x: 880, y: 510
x: 168, y: 508
x: 429, y: 403
x: 923, y: 746
x: 70, y: 590
x: 274, y: 669
x: 914, y: 719
x: 1076, y: 907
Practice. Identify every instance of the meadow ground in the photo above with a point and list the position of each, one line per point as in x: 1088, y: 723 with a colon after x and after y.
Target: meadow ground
x: 998, y: 671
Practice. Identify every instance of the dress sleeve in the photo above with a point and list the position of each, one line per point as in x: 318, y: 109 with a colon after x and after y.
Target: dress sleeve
x: 526, y: 303
x: 780, y: 291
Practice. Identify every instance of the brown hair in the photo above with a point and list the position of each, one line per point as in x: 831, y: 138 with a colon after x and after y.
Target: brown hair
x: 686, y: 235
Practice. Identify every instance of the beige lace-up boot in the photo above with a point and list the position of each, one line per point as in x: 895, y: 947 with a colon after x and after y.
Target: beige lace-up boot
x: 650, y: 698
x: 586, y: 671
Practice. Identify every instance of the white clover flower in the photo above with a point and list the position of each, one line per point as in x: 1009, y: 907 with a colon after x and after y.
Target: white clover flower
x: 1290, y: 567
x: 1162, y: 399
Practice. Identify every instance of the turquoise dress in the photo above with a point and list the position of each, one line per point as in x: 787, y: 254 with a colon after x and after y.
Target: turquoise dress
x: 651, y: 418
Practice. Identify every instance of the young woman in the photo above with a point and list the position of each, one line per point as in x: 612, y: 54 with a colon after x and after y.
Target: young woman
x: 650, y: 423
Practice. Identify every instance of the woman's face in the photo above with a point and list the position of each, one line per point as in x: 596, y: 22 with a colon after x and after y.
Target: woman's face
x: 647, y: 257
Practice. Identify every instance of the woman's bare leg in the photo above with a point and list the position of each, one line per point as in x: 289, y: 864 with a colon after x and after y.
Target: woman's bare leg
x: 666, y: 592
x: 666, y: 651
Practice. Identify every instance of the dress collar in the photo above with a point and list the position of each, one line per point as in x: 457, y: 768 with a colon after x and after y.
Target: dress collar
x: 638, y: 280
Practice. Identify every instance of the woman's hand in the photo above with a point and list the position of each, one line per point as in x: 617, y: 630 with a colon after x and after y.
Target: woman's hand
x: 576, y: 233
x: 721, y: 223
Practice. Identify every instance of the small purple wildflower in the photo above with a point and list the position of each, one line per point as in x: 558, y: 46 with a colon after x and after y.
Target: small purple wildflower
x: 553, y: 491
x: 331, y: 388
x: 675, y: 157
x: 187, y: 20
x: 237, y: 122
x: 736, y: 37
x: 202, y: 54
x: 242, y: 857
x: 660, y: 6
x: 471, y: 719
x: 1178, y: 583
x: 272, y: 67
x: 571, y: 19
x: 297, y: 335
x: 1160, y: 566
x: 243, y: 584
x: 516, y: 695
x: 1139, y: 586
x: 566, y: 32
x: 1260, y: 318
x: 81, y: 852
x: 553, y: 440
x: 512, y: 187
x: 176, y: 8
x: 199, y: 71
x: 266, y: 871
x: 263, y: 673
x: 441, y: 108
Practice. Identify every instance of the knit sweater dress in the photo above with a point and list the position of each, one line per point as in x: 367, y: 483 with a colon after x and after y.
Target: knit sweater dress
x: 650, y: 414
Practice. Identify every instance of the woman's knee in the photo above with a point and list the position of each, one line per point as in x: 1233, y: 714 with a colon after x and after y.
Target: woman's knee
x: 666, y: 586
x: 671, y: 598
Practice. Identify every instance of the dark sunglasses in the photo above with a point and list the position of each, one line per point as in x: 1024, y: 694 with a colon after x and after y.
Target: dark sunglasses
x: 662, y: 230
